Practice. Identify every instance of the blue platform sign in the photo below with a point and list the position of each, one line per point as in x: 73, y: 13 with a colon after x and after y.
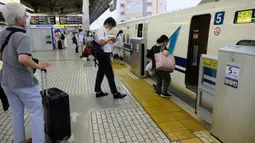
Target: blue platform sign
x: 219, y: 18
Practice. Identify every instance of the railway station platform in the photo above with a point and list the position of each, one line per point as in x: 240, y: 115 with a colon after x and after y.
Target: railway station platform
x: 141, y: 117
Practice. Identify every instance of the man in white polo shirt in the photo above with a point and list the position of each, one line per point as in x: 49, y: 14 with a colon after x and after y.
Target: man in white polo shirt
x: 81, y: 39
x: 104, y: 60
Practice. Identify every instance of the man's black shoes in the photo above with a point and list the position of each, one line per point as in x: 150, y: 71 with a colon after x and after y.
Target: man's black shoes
x: 119, y: 96
x: 115, y: 96
x: 101, y: 94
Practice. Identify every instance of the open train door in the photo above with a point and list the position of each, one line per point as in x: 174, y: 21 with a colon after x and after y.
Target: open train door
x: 198, y: 40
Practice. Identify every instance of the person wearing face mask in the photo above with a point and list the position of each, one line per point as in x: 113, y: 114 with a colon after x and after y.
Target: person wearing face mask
x: 160, y: 75
x: 104, y: 60
x: 89, y: 38
x: 80, y: 39
x: 17, y: 80
x: 118, y: 47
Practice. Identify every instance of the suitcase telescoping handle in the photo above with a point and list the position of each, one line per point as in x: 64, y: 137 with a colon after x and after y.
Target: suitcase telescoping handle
x: 44, y: 82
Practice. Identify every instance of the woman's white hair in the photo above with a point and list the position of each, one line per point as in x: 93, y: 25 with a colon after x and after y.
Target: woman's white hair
x: 13, y: 11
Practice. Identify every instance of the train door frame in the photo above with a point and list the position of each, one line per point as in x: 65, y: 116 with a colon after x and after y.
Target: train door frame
x: 198, y: 42
x: 140, y: 30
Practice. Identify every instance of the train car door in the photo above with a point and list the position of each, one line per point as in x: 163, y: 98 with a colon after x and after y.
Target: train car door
x: 198, y: 40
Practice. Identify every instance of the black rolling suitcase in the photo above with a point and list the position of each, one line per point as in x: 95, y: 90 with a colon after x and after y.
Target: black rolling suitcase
x: 57, y: 111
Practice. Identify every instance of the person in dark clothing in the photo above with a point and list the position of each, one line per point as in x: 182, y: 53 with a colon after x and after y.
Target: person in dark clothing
x: 75, y: 42
x: 160, y: 75
x: 104, y: 60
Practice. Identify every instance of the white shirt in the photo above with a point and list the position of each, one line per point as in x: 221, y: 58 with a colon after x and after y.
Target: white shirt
x: 120, y: 42
x: 102, y: 34
x: 80, y: 37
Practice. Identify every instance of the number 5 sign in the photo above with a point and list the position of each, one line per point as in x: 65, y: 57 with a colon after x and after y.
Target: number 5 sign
x: 219, y: 18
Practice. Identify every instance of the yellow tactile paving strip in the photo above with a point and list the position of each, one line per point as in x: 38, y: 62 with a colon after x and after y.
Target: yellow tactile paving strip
x: 173, y: 121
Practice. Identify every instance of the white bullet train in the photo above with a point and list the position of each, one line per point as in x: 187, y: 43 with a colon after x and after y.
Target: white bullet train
x: 203, y: 29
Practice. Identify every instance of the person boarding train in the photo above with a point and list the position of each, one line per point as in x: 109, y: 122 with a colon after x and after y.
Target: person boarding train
x: 160, y: 74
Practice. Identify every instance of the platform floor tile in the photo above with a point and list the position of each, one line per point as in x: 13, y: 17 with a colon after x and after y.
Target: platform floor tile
x: 176, y: 123
x: 193, y: 140
x: 125, y: 126
x: 6, y: 125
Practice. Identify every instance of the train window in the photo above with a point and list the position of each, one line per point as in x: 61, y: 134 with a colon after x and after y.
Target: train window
x: 127, y: 39
x: 140, y: 30
x: 245, y: 16
x: 124, y: 38
x: 246, y: 43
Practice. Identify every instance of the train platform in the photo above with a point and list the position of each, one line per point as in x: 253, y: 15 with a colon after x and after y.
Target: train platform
x: 141, y: 117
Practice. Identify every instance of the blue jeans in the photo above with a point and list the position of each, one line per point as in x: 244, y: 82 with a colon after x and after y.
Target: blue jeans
x: 29, y: 98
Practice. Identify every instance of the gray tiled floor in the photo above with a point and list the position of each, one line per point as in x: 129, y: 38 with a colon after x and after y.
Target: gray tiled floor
x: 124, y: 119
x: 6, y: 125
x: 125, y: 125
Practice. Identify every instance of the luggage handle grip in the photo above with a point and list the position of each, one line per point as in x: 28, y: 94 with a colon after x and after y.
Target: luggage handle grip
x: 44, y: 83
x: 44, y: 70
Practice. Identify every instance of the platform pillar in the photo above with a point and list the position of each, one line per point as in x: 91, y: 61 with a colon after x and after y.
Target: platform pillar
x: 86, y: 21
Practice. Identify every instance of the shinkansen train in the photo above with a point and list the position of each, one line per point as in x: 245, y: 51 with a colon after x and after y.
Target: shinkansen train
x: 203, y: 29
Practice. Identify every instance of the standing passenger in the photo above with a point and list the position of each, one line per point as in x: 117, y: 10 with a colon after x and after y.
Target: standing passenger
x: 60, y: 45
x: 104, y: 61
x: 65, y: 39
x: 18, y: 82
x: 89, y: 38
x: 75, y: 42
x: 160, y: 75
x: 118, y: 46
x: 80, y: 38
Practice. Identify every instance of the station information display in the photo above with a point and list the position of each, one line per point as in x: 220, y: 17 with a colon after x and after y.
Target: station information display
x: 245, y: 16
x: 42, y: 20
x: 70, y: 19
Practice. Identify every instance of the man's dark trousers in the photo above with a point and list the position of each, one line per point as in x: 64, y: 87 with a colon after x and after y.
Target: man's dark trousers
x: 105, y: 68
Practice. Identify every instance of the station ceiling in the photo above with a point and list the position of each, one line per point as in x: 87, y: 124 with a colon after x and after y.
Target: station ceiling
x: 96, y: 8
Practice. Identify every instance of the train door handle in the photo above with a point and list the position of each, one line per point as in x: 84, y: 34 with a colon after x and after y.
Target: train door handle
x: 195, y: 52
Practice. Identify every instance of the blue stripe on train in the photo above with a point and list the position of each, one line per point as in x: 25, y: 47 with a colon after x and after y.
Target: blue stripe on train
x: 180, y: 62
x: 180, y: 70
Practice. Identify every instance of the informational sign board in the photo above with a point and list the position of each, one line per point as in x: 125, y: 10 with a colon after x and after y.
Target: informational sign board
x: 217, y: 31
x: 219, y: 18
x: 42, y: 20
x: 245, y: 16
x: 70, y: 19
x: 210, y: 63
x: 232, y: 75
